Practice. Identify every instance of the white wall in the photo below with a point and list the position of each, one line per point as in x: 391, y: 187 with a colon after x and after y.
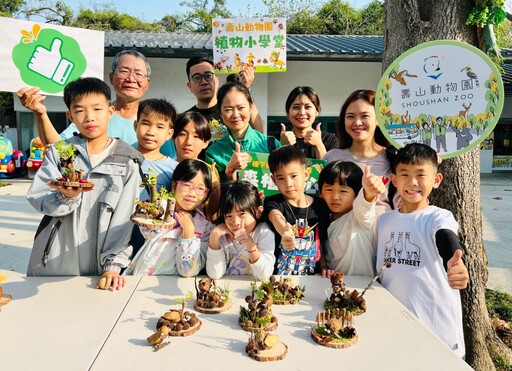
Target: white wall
x: 333, y: 81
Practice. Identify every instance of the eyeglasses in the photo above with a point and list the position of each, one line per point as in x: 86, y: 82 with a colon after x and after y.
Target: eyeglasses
x: 207, y: 76
x: 198, y: 189
x: 125, y: 73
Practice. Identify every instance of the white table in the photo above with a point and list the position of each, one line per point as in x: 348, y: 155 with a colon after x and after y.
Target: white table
x: 390, y: 338
x: 57, y: 323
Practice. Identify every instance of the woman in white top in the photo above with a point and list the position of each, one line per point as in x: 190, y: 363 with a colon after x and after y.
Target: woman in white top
x: 361, y: 140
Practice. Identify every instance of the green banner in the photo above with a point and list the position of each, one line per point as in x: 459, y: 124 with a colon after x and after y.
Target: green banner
x: 258, y: 174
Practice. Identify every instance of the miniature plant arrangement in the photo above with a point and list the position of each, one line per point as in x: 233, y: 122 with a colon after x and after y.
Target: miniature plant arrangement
x: 344, y: 299
x: 210, y: 298
x: 4, y: 298
x: 151, y: 212
x: 334, y: 329
x: 282, y: 290
x: 264, y: 346
x: 258, y: 314
x: 175, y: 322
x: 71, y: 177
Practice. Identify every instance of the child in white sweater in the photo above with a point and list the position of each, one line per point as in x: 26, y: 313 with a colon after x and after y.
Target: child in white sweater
x: 241, y: 244
x: 350, y: 195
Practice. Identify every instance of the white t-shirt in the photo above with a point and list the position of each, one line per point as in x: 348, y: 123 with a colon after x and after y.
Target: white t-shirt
x: 417, y: 277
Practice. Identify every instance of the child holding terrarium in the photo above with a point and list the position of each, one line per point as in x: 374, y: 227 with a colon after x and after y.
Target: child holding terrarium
x: 85, y: 231
x: 182, y: 249
x: 154, y: 127
x: 241, y: 244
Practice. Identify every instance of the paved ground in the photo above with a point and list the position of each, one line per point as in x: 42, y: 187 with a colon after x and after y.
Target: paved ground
x: 19, y: 222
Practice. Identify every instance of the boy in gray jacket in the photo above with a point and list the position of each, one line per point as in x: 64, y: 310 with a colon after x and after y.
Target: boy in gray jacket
x: 86, y: 231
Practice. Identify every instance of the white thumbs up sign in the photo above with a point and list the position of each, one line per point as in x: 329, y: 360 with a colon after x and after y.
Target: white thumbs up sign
x: 50, y: 64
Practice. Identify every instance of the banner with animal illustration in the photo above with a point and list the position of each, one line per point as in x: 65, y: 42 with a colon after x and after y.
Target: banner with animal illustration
x: 446, y: 94
x: 46, y: 55
x: 240, y: 43
x: 258, y: 174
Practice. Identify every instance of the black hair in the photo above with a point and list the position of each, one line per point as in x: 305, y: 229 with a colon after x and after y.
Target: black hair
x: 284, y: 155
x: 415, y: 153
x: 196, y: 60
x: 203, y: 130
x: 303, y: 90
x: 234, y: 77
x: 344, y: 138
x: 242, y: 196
x: 226, y: 88
x: 345, y: 173
x: 134, y: 53
x: 159, y: 107
x: 188, y: 170
x: 83, y: 86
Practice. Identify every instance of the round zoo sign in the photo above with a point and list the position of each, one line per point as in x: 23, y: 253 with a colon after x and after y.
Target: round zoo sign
x: 446, y: 94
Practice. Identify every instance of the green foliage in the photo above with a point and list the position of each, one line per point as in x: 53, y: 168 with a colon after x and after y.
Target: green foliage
x: 199, y: 18
x: 503, y: 33
x: 499, y: 304
x: 65, y: 150
x: 334, y: 17
x: 487, y: 12
x: 111, y: 19
x: 8, y: 8
x: 188, y: 296
x: 55, y: 12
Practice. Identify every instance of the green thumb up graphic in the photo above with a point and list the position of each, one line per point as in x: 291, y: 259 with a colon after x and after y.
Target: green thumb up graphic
x: 48, y: 59
x: 50, y: 64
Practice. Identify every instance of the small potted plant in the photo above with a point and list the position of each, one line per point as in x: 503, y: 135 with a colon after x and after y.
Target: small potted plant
x: 71, y: 177
x: 150, y: 213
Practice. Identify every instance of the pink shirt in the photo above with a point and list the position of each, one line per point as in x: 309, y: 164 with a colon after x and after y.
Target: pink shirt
x: 379, y: 166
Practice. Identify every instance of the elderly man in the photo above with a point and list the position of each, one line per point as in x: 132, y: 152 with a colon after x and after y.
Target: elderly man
x: 130, y: 77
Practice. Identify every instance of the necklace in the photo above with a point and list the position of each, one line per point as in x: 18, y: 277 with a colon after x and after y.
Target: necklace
x: 300, y: 228
x: 107, y: 143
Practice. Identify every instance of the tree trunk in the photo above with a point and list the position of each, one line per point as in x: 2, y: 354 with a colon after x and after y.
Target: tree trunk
x: 409, y: 23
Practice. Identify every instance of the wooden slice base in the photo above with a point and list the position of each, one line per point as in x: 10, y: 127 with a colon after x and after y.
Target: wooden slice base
x: 217, y: 310
x: 152, y: 223
x: 188, y: 332
x: 270, y: 327
x: 72, y: 184
x: 276, y: 353
x: 285, y: 302
x: 345, y: 343
x: 5, y: 299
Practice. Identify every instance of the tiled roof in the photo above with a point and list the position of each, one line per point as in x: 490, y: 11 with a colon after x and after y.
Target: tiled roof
x: 299, y: 47
x: 185, y: 45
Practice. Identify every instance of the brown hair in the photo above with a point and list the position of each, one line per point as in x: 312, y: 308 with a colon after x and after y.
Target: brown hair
x: 345, y: 139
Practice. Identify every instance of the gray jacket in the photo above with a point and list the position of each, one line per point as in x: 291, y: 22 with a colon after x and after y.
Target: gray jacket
x: 91, y: 233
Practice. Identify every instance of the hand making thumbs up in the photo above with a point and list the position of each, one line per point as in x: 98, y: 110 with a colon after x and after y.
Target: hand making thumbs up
x: 288, y: 237
x: 313, y: 137
x: 372, y: 184
x: 238, y: 161
x: 287, y: 138
x: 457, y: 272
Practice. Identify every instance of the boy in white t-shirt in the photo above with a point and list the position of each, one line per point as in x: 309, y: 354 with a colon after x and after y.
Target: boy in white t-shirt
x: 421, y: 243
